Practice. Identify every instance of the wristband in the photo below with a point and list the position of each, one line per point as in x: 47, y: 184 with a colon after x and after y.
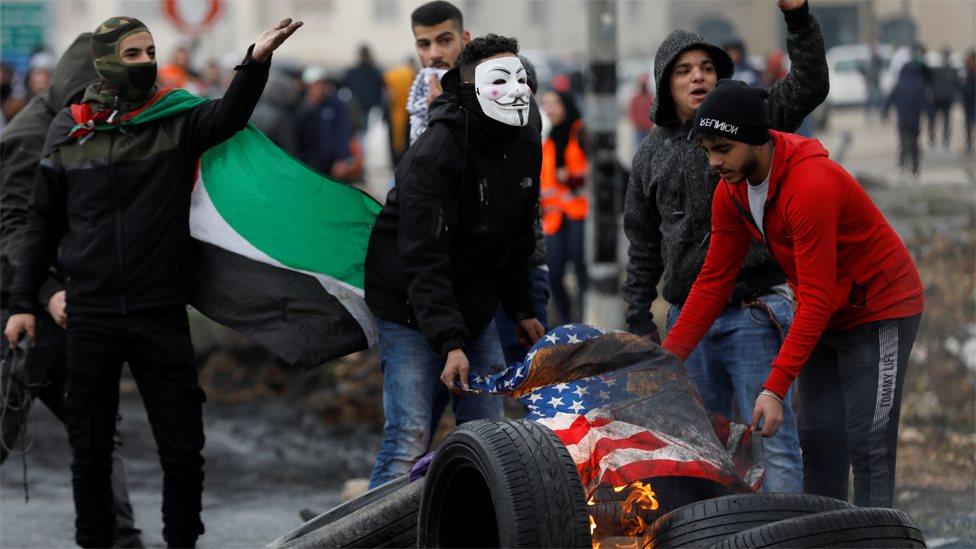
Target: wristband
x: 767, y: 392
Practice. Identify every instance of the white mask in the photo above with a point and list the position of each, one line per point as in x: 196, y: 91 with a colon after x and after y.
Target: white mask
x: 502, y: 91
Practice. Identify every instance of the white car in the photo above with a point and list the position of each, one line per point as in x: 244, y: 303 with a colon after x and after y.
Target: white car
x: 847, y: 85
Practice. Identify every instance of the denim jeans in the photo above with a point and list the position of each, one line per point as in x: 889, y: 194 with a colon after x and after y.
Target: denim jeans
x: 411, y: 380
x: 731, y: 364
x: 564, y: 247
x: 514, y: 351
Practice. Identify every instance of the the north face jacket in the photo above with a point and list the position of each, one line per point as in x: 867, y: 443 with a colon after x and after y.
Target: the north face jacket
x: 846, y: 264
x: 454, y: 237
x: 118, y: 204
x: 667, y: 207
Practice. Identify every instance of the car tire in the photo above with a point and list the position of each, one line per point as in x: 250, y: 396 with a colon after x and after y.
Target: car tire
x: 707, y: 522
x: 503, y: 483
x: 846, y: 528
x: 390, y: 521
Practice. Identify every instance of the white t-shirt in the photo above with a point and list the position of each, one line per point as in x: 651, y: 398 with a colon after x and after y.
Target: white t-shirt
x: 757, y: 201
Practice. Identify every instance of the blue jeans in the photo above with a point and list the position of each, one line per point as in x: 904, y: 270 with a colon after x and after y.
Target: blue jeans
x: 514, y: 351
x: 411, y: 383
x: 564, y: 247
x: 731, y: 364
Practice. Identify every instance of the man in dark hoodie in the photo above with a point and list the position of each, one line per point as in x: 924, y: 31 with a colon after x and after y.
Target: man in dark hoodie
x: 112, y: 199
x: 20, y: 153
x: 666, y: 218
x: 452, y: 241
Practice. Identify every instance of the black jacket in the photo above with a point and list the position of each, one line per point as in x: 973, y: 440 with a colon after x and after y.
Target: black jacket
x: 455, y: 234
x: 20, y: 152
x: 667, y: 211
x: 119, y: 205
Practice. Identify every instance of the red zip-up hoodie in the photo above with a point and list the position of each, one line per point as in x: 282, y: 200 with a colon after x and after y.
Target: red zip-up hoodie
x: 846, y: 265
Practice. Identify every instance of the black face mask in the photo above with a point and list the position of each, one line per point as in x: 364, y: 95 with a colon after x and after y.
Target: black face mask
x: 142, y: 76
x: 4, y: 91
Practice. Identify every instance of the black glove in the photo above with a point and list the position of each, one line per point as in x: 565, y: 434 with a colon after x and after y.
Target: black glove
x: 646, y: 329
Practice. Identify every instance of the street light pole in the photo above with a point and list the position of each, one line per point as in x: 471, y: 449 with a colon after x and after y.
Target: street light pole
x: 603, y: 305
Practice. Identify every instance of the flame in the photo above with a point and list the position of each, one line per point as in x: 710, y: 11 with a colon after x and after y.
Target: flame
x: 640, y: 497
x: 596, y: 543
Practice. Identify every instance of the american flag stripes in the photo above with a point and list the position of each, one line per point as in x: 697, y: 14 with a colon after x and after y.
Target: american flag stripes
x: 625, y: 410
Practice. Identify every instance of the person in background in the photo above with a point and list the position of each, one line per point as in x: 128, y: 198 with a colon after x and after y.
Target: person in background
x: 275, y: 112
x: 969, y: 97
x: 365, y: 81
x: 775, y: 70
x: 640, y: 110
x: 743, y: 68
x: 177, y: 73
x: 439, y: 36
x: 323, y: 125
x: 870, y: 69
x: 38, y: 76
x: 211, y: 84
x: 910, y: 98
x: 945, y: 84
x: 563, y: 202
x: 398, y: 81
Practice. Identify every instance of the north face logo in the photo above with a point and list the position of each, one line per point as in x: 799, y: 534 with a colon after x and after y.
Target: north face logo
x: 719, y: 125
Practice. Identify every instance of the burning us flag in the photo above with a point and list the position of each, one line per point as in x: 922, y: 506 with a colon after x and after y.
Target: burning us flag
x: 626, y: 411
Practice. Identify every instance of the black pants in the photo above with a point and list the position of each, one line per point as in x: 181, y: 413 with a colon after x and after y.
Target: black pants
x: 44, y: 381
x: 908, y: 152
x: 943, y: 111
x: 157, y: 347
x: 850, y: 401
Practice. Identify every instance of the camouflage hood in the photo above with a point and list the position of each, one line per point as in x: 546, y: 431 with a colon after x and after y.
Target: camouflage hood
x: 131, y: 83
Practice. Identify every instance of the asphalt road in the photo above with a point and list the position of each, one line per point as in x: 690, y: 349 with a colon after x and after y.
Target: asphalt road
x: 265, y: 462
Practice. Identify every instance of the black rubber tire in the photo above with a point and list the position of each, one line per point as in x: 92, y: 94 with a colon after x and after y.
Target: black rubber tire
x: 388, y: 522
x: 503, y: 483
x: 341, y: 510
x: 847, y: 528
x: 707, y: 522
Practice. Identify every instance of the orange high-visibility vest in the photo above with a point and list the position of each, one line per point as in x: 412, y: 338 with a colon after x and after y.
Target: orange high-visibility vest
x: 556, y: 198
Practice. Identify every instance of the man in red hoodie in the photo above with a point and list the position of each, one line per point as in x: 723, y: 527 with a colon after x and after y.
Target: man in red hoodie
x: 859, y: 297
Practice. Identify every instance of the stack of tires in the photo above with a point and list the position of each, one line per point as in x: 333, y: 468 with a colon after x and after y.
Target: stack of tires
x: 493, y: 483
x: 504, y: 483
x: 781, y: 520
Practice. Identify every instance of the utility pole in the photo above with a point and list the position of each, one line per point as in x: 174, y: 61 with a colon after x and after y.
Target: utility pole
x: 604, y: 307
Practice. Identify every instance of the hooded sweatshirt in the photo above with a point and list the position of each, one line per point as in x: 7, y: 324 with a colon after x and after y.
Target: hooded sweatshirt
x: 667, y: 208
x: 21, y: 146
x: 456, y: 232
x: 847, y: 266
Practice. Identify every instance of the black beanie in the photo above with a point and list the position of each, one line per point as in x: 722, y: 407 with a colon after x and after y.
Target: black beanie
x: 735, y: 110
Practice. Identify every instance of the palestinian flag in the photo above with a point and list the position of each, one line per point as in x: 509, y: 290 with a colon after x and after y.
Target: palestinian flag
x: 281, y: 248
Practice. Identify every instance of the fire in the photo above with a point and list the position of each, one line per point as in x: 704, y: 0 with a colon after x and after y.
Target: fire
x: 596, y: 543
x: 640, y: 498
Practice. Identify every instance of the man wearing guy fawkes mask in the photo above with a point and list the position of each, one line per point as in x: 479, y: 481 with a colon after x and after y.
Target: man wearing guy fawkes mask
x: 112, y: 198
x: 452, y: 242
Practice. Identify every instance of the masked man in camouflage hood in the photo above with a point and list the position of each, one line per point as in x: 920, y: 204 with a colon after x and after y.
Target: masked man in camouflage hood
x: 667, y: 217
x: 113, y: 193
